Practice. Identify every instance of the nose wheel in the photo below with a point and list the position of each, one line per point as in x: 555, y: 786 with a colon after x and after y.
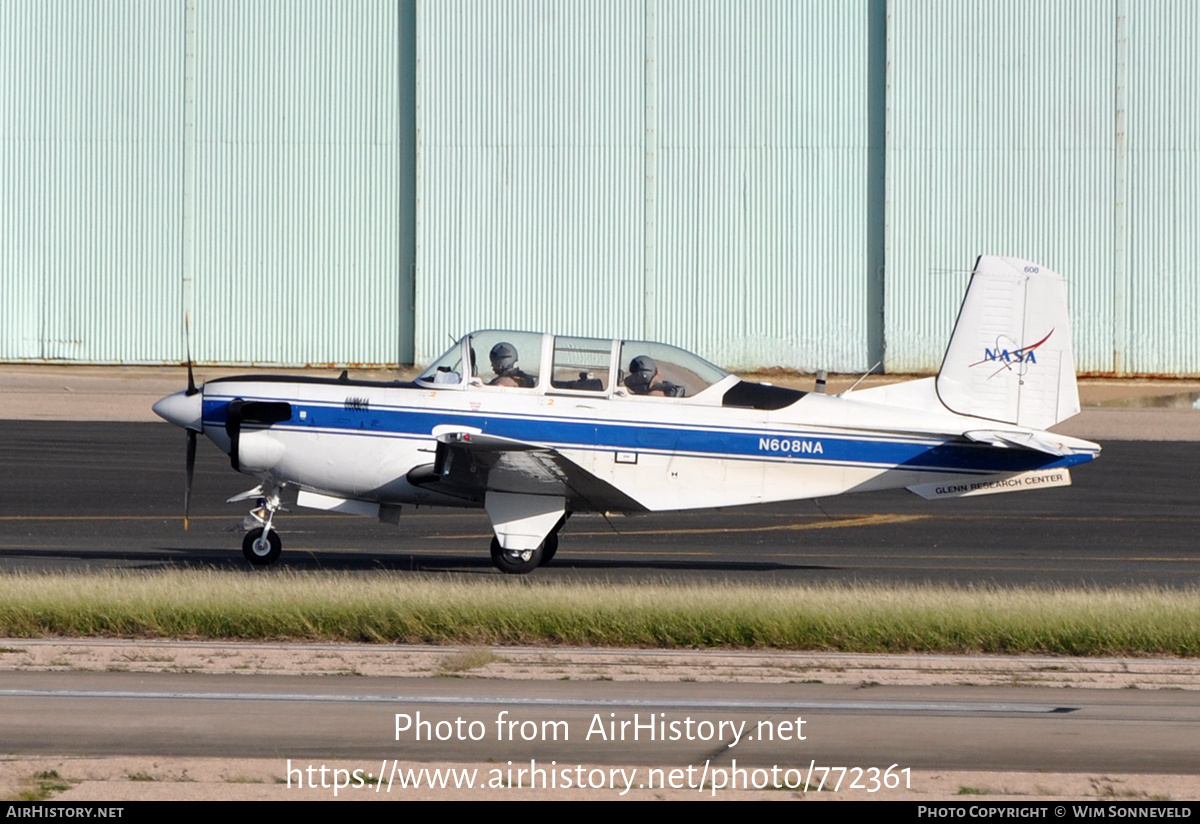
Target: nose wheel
x: 261, y: 547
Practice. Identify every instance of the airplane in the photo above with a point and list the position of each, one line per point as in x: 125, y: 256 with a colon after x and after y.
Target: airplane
x: 533, y: 427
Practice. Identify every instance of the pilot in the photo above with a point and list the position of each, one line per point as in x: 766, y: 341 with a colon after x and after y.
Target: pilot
x: 504, y: 364
x: 644, y: 379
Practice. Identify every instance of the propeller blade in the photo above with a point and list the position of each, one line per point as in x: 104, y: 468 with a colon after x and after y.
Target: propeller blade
x: 187, y: 344
x: 191, y: 433
x: 191, y: 470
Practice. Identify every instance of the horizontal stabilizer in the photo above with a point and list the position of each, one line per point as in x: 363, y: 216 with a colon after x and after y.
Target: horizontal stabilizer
x: 1048, y: 442
x: 969, y: 486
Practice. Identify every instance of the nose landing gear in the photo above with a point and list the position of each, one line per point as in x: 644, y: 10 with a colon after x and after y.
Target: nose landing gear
x: 262, y: 544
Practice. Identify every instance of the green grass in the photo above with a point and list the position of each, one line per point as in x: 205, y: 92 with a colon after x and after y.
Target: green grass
x: 417, y: 609
x: 42, y: 786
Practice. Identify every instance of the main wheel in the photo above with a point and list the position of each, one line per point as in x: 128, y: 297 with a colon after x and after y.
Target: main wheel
x: 515, y: 561
x: 261, y: 550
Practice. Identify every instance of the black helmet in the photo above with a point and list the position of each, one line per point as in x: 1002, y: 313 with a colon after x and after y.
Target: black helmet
x: 642, y: 370
x: 644, y: 366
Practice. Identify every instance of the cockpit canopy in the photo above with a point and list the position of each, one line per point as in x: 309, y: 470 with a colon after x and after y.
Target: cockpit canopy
x: 561, y: 364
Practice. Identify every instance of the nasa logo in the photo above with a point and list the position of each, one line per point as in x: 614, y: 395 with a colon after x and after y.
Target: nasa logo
x: 1016, y: 355
x: 1008, y: 354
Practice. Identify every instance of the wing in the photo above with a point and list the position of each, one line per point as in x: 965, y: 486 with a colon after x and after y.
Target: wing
x: 470, y: 464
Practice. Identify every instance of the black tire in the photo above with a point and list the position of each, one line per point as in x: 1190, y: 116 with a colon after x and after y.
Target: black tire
x: 549, y: 548
x: 515, y: 563
x: 258, y: 554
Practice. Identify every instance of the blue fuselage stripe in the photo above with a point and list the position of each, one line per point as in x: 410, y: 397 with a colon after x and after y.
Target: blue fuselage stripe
x: 811, y: 447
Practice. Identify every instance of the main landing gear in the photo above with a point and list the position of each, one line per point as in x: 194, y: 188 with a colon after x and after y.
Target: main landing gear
x: 523, y: 561
x: 262, y: 545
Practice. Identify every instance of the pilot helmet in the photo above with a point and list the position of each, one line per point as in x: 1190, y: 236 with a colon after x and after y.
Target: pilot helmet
x: 642, y: 370
x: 504, y: 357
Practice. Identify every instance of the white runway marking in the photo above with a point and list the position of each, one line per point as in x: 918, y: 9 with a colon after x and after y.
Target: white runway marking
x: 877, y: 706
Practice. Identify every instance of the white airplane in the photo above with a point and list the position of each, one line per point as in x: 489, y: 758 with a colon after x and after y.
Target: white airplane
x: 534, y: 427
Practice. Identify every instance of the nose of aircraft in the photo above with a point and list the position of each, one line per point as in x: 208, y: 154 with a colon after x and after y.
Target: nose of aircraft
x: 182, y: 409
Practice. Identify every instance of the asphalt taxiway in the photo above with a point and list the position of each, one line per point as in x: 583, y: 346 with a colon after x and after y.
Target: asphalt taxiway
x: 77, y: 495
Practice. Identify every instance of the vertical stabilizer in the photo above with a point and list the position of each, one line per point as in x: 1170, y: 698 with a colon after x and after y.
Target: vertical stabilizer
x: 1010, y: 358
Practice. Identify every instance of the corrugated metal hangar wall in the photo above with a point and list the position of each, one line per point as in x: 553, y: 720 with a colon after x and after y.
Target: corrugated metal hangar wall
x: 246, y: 163
x: 1067, y: 132
x: 700, y: 173
x: 354, y: 183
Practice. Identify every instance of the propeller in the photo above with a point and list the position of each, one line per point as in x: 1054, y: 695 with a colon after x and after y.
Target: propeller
x: 191, y: 433
x: 185, y: 409
x: 191, y: 469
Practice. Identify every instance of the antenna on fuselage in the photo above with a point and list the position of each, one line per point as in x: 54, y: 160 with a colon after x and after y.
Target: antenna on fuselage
x: 863, y: 378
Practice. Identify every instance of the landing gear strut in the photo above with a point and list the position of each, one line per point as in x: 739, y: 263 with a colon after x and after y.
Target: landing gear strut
x: 262, y: 545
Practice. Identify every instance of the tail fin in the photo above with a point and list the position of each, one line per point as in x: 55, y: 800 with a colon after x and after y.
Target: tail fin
x: 1010, y: 357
